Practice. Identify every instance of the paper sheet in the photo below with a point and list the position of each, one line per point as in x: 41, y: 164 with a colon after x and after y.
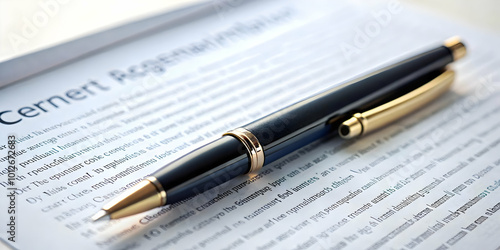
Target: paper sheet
x: 87, y: 131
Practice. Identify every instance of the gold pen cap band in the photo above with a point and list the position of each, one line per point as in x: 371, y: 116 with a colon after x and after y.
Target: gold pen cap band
x: 456, y: 47
x: 362, y: 123
x: 253, y: 146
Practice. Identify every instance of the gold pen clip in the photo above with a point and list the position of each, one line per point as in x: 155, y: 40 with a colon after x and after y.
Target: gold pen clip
x: 362, y: 123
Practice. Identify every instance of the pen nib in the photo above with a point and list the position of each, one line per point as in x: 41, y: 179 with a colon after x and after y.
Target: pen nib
x: 101, y: 215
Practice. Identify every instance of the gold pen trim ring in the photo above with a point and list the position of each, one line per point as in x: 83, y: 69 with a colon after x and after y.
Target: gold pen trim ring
x: 253, y: 146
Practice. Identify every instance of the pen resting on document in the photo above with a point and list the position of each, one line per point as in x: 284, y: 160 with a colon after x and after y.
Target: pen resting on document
x: 244, y: 150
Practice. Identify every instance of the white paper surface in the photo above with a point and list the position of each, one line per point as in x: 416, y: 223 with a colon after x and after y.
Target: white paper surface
x: 429, y: 181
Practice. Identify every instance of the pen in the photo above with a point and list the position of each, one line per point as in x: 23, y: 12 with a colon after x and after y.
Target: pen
x: 351, y: 109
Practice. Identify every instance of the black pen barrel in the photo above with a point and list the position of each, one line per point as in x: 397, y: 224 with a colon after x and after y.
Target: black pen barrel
x: 203, y: 169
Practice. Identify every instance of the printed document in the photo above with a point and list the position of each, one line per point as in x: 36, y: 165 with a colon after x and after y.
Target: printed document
x: 85, y: 132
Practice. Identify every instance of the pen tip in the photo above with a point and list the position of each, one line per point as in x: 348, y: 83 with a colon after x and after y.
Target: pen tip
x: 101, y: 215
